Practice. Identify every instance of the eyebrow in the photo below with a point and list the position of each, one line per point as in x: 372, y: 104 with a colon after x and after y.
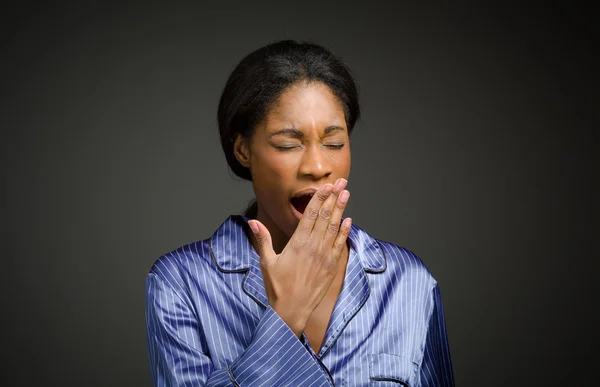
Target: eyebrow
x: 299, y: 134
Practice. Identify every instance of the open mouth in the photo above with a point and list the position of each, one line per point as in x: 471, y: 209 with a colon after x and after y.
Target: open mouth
x: 300, y: 202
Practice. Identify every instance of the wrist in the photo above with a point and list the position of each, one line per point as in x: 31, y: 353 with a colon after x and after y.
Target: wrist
x: 293, y: 318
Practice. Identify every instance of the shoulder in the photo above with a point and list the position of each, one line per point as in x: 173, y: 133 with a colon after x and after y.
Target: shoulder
x: 402, y: 261
x: 379, y: 256
x: 188, y: 261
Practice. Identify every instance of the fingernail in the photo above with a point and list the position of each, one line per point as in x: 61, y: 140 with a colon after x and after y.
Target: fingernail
x: 253, y: 227
x: 347, y: 222
x: 327, y: 189
x: 344, y: 196
x: 340, y: 184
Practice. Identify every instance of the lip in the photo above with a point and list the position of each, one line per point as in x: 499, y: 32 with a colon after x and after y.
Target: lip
x: 297, y: 214
x: 307, y: 191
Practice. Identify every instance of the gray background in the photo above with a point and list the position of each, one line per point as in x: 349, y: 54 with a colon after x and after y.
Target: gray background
x: 475, y: 151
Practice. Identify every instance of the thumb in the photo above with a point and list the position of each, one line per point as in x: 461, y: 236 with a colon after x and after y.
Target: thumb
x: 263, y: 237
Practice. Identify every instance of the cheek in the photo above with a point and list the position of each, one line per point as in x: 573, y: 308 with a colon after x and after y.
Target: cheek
x: 340, y: 160
x: 273, y: 176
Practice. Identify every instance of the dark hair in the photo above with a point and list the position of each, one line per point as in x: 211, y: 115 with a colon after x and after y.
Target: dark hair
x: 262, y: 76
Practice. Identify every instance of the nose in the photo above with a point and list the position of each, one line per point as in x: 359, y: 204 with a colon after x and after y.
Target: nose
x: 315, y: 163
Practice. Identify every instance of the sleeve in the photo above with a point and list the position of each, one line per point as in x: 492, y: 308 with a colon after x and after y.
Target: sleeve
x: 179, y: 357
x: 436, y: 369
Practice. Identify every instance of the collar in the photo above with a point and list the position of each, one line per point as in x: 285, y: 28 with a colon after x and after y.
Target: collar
x: 232, y: 251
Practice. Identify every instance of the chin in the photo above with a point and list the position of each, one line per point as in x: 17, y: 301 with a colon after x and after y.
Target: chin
x: 284, y: 217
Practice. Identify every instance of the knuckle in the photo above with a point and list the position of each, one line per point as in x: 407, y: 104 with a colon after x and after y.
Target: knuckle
x: 333, y: 228
x: 313, y: 250
x: 345, y: 232
x: 321, y: 196
x: 325, y: 214
x: 330, y: 266
x: 311, y: 214
x: 338, y: 247
x: 319, y: 249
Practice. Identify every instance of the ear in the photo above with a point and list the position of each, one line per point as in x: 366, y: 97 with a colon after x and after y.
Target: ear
x: 241, y: 150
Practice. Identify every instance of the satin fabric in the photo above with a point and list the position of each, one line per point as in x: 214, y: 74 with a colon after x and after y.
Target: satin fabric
x: 209, y: 322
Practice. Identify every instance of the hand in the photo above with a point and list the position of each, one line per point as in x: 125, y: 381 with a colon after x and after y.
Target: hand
x: 297, y: 280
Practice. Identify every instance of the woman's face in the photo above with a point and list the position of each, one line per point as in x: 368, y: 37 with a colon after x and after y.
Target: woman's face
x: 301, y: 144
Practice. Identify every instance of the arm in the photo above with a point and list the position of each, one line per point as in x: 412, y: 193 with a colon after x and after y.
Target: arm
x: 436, y: 369
x: 179, y: 357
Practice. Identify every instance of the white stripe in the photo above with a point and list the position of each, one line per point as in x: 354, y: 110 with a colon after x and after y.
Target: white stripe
x: 185, y: 285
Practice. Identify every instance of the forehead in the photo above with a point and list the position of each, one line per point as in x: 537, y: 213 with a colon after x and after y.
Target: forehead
x: 306, y: 106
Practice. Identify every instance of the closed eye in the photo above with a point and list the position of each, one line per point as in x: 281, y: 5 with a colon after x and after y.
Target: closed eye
x: 290, y: 147
x: 285, y: 148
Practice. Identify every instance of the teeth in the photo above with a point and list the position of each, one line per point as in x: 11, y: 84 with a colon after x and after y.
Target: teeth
x: 309, y: 195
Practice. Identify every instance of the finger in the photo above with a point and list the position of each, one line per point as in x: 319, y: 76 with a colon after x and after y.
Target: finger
x: 311, y: 213
x: 340, y: 240
x: 334, y: 223
x: 326, y: 210
x: 263, y: 238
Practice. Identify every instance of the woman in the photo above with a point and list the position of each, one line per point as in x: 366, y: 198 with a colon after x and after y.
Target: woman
x: 291, y: 293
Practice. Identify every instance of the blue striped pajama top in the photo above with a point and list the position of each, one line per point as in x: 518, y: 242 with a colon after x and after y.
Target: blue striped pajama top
x: 209, y: 322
